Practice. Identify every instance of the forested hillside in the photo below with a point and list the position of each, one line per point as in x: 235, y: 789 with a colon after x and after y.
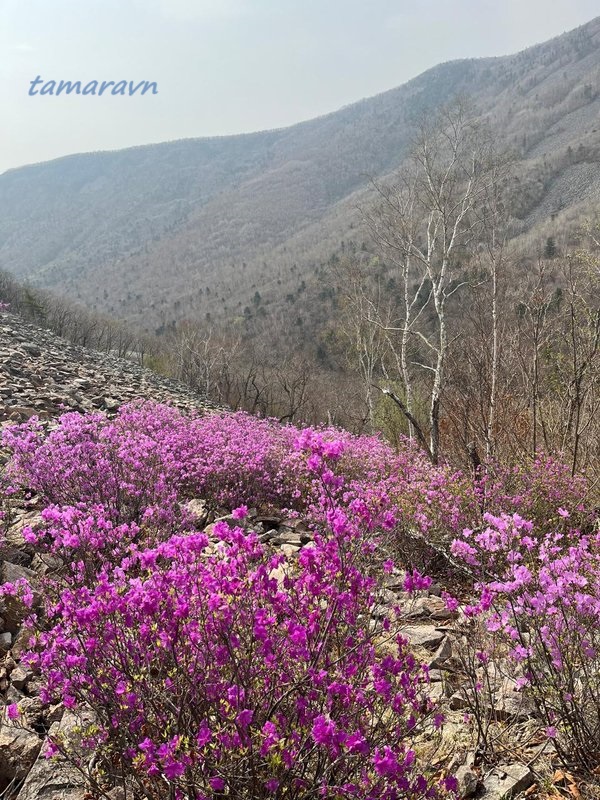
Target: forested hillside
x: 184, y: 229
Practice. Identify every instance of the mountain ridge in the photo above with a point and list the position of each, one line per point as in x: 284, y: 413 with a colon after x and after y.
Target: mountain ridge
x: 161, y: 232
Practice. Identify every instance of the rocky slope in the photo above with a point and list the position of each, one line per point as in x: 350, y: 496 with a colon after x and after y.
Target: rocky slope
x: 42, y: 374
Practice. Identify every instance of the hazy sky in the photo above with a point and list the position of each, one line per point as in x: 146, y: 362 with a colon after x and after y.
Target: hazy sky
x: 230, y: 66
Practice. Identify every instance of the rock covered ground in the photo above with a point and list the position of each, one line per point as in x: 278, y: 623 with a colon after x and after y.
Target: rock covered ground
x: 435, y: 633
x: 42, y: 374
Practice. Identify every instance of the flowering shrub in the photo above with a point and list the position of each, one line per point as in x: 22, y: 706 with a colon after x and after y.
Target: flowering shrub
x: 149, y: 453
x: 123, y: 466
x: 140, y: 466
x: 535, y: 490
x: 216, y: 668
x: 541, y: 592
x: 222, y: 670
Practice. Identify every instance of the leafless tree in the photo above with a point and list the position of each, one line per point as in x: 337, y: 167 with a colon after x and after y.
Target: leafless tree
x: 423, y: 222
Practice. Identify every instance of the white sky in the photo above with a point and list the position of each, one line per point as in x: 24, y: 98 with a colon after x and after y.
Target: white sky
x: 232, y: 66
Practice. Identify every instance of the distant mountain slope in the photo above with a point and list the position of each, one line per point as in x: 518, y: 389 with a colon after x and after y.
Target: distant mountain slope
x: 185, y: 228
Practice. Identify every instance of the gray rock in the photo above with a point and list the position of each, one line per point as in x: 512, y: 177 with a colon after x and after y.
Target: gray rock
x: 290, y: 550
x: 381, y: 611
x: 506, y: 781
x: 19, y: 749
x: 458, y: 701
x: 423, y: 636
x: 292, y: 538
x: 13, y: 695
x: 428, y: 608
x: 31, y: 709
x: 435, y: 675
x: 442, y: 654
x: 510, y: 704
x: 435, y: 691
x: 503, y: 705
x: 117, y: 793
x: 55, y: 778
x: 42, y: 563
x: 20, y: 643
x: 268, y: 536
x: 20, y: 676
x: 468, y: 781
x: 5, y: 641
x: 110, y: 404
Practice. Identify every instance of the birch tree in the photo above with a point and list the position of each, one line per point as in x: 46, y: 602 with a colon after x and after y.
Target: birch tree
x: 366, y: 341
x: 493, y: 256
x: 424, y: 222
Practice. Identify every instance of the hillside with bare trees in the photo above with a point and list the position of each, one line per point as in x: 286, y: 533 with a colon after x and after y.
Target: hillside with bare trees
x: 234, y: 228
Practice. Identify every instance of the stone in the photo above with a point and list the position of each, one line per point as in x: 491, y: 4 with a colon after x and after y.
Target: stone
x: 292, y: 538
x: 268, y: 536
x: 504, y: 705
x: 13, y: 695
x: 14, y: 535
x: 468, y: 781
x: 296, y: 524
x: 21, y: 414
x: 442, y: 654
x: 199, y: 510
x: 289, y: 550
x: 20, y: 643
x: 55, y: 778
x: 20, y: 676
x: 55, y: 713
x: 31, y: 709
x: 117, y: 793
x: 510, y: 704
x: 111, y: 404
x: 14, y: 555
x: 428, y: 608
x: 19, y: 749
x: 458, y: 701
x: 43, y: 563
x: 5, y: 641
x: 423, y: 636
x: 34, y: 686
x: 381, y: 611
x: 506, y: 781
x: 435, y: 691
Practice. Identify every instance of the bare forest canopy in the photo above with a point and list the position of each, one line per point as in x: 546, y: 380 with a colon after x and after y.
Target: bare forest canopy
x: 166, y: 232
x: 423, y: 262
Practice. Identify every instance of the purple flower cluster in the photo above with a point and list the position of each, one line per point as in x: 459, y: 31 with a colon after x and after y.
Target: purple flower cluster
x: 540, y: 592
x: 216, y: 666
